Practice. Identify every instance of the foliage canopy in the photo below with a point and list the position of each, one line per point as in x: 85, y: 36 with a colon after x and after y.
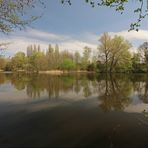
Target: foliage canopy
x: 14, y: 14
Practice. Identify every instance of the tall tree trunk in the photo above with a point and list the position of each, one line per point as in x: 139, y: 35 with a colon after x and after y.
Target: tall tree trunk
x: 111, y: 66
x: 106, y: 63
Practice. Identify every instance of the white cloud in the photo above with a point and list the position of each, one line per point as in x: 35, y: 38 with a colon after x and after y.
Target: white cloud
x: 74, y: 45
x: 46, y: 35
x: 133, y: 35
x: 20, y: 41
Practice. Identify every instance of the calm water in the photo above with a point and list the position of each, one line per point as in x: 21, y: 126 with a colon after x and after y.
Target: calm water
x: 74, y: 111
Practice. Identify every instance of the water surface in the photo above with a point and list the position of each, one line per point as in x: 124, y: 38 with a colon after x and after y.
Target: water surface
x: 74, y: 110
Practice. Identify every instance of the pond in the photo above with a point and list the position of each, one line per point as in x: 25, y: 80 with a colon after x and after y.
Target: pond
x: 74, y: 110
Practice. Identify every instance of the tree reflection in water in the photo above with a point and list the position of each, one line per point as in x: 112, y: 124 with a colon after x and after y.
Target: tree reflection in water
x: 141, y: 87
x: 115, y: 94
x: 2, y: 79
x: 114, y: 91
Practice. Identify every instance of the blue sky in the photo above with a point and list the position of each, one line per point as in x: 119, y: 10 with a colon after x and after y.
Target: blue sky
x: 76, y: 26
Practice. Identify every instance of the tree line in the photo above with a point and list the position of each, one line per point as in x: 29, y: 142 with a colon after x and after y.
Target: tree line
x: 113, y: 55
x: 36, y: 60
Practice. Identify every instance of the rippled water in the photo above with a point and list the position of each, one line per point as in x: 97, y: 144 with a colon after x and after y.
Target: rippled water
x: 74, y: 110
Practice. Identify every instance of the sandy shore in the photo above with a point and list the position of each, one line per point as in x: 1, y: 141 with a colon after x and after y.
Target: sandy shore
x: 58, y: 72
x: 52, y: 72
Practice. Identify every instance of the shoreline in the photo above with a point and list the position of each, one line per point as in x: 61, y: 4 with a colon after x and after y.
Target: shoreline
x: 52, y: 72
x: 60, y: 72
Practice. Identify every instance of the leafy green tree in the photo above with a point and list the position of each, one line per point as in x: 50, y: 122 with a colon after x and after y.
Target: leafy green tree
x: 77, y: 59
x: 35, y: 62
x: 114, y: 53
x: 91, y: 67
x: 13, y: 14
x: 136, y: 62
x: 67, y: 64
x: 86, y: 57
x: 66, y: 54
x: 39, y: 48
x: 18, y: 61
x: 2, y: 63
x: 143, y: 51
x: 56, y: 57
x: 50, y: 57
x: 40, y: 61
x: 8, y: 66
x: 120, y: 55
x: 29, y: 50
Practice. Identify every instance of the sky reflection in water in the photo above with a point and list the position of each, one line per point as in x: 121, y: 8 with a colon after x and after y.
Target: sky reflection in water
x: 73, y: 110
